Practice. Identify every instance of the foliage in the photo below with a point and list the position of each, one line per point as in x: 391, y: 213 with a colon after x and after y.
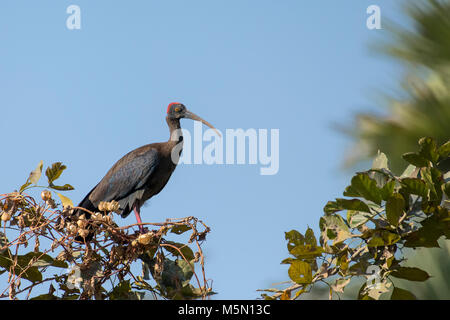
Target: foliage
x: 422, y: 107
x: 60, y: 267
x: 384, y: 214
x: 436, y: 261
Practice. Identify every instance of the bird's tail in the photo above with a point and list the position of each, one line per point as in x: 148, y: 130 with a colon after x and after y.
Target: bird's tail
x: 86, y: 204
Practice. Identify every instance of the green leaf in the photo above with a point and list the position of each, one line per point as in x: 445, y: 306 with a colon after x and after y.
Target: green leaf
x: 444, y: 150
x: 35, y: 175
x: 187, y: 269
x: 402, y: 294
x: 350, y: 192
x: 366, y: 187
x: 65, y: 201
x: 334, y: 228
x: 174, y: 276
x: 45, y: 296
x: 145, y: 271
x: 30, y: 273
x: 331, y: 234
x: 179, y: 229
x: 387, y: 190
x: 306, y: 251
x: 433, y: 179
x: 424, y: 237
x: 310, y: 238
x: 359, y: 268
x: 65, y: 187
x: 342, y: 262
x: 44, y: 260
x: 23, y: 187
x: 331, y: 207
x: 345, y: 204
x: 54, y: 172
x: 352, y: 204
x: 428, y: 149
x: 415, y: 186
x: 357, y: 218
x: 294, y: 238
x: 415, y: 159
x: 121, y: 291
x: 300, y: 272
x: 383, y: 238
x: 185, y: 250
x: 389, y: 237
x: 376, y: 241
x: 287, y: 261
x: 447, y: 189
x: 412, y: 274
x: 394, y: 208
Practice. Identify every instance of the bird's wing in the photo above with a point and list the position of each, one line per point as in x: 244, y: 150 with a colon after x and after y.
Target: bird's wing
x: 128, y: 175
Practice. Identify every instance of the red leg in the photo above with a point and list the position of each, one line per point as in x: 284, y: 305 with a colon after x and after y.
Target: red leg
x: 137, y: 212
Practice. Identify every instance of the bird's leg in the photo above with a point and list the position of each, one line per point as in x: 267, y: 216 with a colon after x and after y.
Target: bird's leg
x: 137, y: 212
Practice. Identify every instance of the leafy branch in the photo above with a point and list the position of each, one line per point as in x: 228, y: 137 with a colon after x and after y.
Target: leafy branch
x: 384, y: 214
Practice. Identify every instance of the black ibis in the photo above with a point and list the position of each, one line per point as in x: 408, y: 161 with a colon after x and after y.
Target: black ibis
x: 141, y: 173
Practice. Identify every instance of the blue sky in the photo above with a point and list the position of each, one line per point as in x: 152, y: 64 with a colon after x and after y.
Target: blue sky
x: 87, y: 97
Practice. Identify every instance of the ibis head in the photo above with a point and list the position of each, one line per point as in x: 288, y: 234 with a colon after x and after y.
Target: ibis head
x: 176, y: 111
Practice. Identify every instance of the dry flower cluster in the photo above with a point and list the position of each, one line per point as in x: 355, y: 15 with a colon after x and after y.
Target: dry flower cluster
x: 106, y: 264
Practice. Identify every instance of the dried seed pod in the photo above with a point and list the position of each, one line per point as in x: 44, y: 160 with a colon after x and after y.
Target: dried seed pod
x: 83, y: 232
x: 145, y: 238
x: 72, y: 228
x: 6, y: 216
x: 46, y: 195
x: 103, y: 206
x: 113, y: 206
x: 82, y: 223
x: 97, y: 216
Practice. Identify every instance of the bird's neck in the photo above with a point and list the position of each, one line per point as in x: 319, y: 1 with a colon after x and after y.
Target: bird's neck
x: 176, y: 135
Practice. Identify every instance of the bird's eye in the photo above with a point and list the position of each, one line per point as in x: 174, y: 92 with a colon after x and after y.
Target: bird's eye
x: 177, y: 109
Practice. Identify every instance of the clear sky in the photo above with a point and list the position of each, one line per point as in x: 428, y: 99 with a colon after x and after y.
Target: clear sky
x: 87, y: 97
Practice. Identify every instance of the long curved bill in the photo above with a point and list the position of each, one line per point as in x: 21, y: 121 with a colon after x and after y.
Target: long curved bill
x: 193, y: 116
